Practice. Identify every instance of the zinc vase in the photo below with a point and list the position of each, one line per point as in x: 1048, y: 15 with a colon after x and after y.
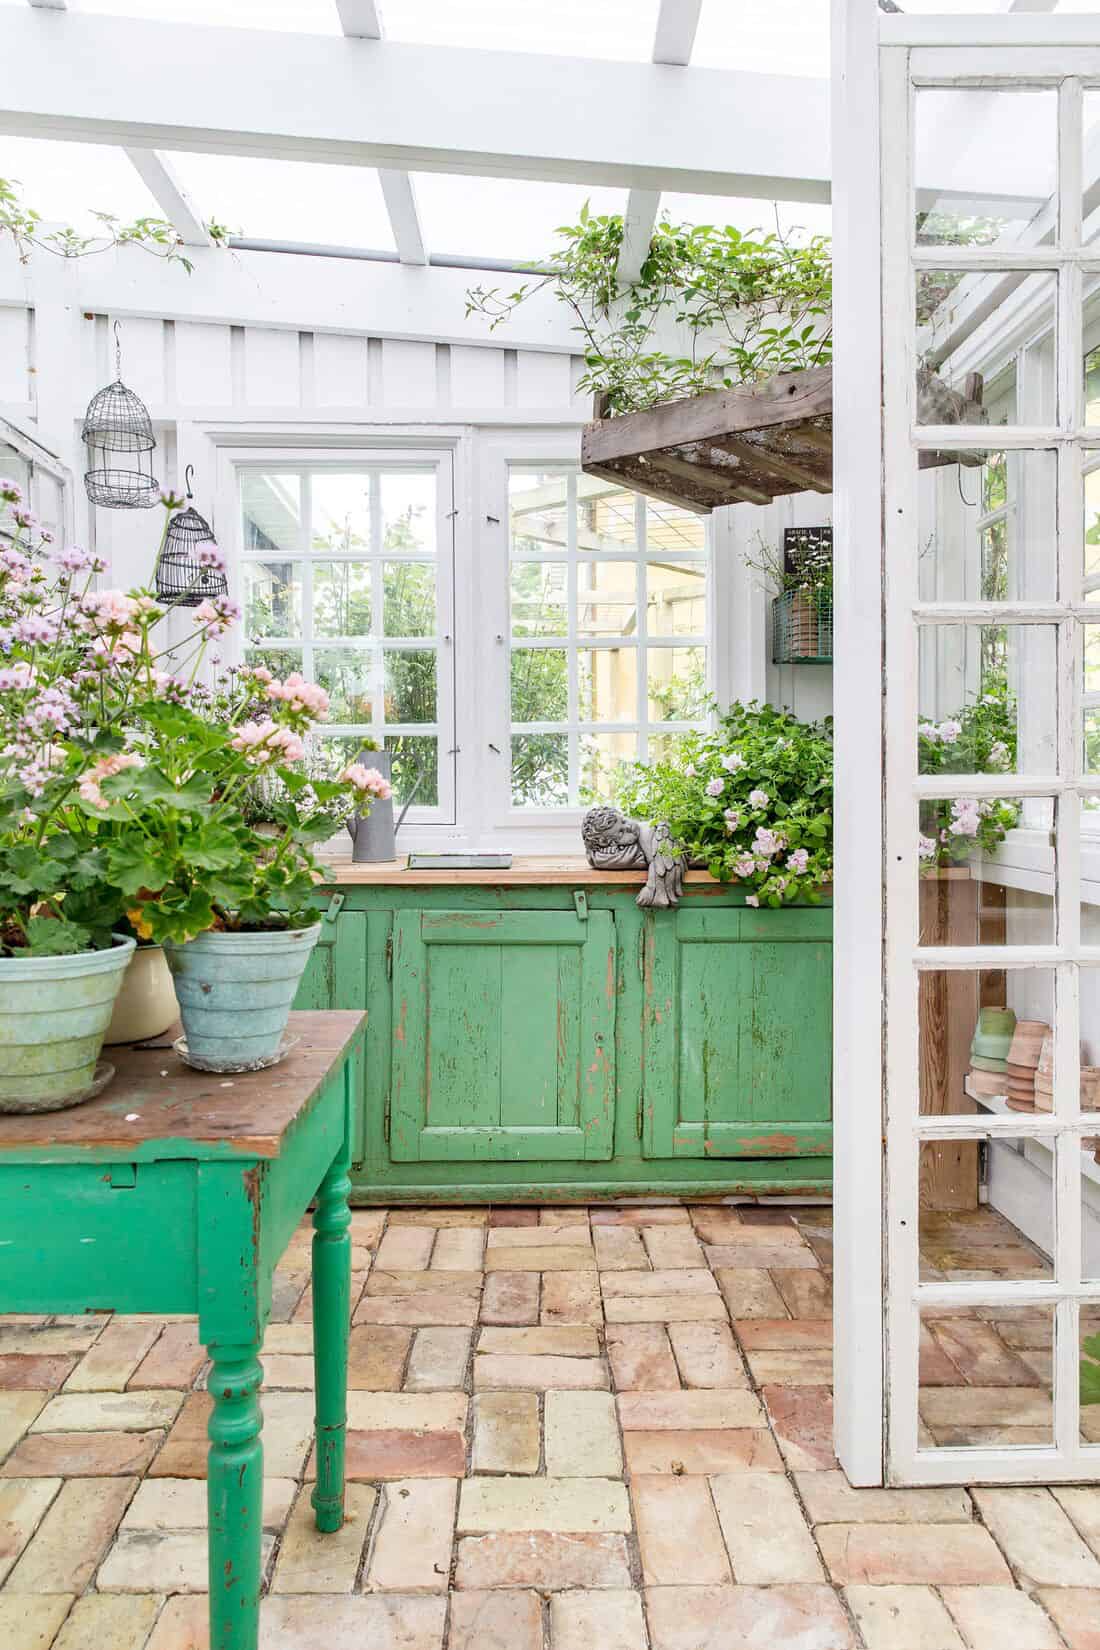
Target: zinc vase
x: 146, y: 1004
x: 54, y: 1012
x: 235, y: 992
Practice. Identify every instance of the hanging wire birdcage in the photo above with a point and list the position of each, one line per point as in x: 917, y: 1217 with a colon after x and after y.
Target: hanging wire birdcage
x: 189, y: 568
x: 119, y: 436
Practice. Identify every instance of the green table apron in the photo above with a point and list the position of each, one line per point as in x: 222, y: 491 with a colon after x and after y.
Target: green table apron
x: 177, y: 1192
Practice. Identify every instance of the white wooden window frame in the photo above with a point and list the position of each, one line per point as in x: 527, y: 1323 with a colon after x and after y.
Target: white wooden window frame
x: 901, y: 71
x: 347, y: 459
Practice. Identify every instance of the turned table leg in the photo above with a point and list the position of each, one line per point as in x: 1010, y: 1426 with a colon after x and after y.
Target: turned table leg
x: 331, y: 1309
x: 234, y: 1489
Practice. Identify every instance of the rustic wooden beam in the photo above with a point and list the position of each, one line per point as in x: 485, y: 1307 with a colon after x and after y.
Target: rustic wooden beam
x: 727, y: 488
x: 787, y: 398
x: 641, y: 483
x: 779, y: 465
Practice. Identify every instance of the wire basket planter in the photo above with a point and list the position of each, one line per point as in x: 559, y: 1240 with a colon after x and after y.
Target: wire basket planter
x: 189, y: 568
x: 802, y: 629
x: 119, y: 436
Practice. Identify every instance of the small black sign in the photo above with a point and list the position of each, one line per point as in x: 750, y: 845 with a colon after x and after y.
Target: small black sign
x: 805, y: 548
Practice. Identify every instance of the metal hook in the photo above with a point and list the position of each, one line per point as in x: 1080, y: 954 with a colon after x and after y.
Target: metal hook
x: 187, y: 474
x: 118, y: 350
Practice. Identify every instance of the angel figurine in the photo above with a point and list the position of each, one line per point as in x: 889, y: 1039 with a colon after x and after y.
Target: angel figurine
x: 614, y: 843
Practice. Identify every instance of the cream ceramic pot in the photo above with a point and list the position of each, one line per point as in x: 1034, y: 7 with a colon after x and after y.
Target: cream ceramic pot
x: 146, y: 1005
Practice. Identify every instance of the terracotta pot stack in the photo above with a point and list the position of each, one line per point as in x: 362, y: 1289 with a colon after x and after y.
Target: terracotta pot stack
x: 1023, y: 1063
x: 988, y: 1074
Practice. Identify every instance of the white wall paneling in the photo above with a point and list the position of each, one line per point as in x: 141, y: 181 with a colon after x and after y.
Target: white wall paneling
x: 15, y: 356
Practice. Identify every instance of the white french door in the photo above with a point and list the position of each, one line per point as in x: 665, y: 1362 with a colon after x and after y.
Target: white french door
x: 990, y: 259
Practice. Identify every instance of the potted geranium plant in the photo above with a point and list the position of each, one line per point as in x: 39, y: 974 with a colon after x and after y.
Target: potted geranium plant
x: 120, y: 804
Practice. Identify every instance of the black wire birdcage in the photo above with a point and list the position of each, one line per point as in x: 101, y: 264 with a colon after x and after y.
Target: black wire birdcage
x: 184, y: 576
x: 119, y: 436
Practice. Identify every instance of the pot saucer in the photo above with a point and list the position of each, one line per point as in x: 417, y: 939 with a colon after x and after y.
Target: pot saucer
x: 287, y: 1046
x: 102, y: 1075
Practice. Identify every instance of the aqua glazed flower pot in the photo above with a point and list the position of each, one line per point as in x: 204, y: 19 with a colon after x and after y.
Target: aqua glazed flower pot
x: 235, y: 992
x: 54, y: 1012
x: 993, y: 1033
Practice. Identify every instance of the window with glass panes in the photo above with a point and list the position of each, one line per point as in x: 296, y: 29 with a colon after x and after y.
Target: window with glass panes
x: 609, y: 605
x: 344, y: 579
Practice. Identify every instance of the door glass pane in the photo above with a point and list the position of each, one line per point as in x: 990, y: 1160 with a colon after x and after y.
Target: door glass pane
x: 986, y: 870
x: 540, y: 598
x: 987, y: 527
x: 410, y: 685
x: 408, y: 598
x: 414, y: 769
x: 271, y: 511
x: 1090, y: 1373
x: 603, y: 757
x: 539, y: 513
x: 951, y: 304
x: 607, y: 598
x: 540, y: 770
x: 676, y: 598
x: 341, y: 598
x: 540, y: 684
x: 272, y: 598
x: 340, y: 511
x: 986, y: 1210
x: 986, y: 1035
x: 408, y: 512
x: 984, y: 164
x: 348, y: 676
x: 607, y: 684
x: 987, y: 699
x: 986, y: 1372
x: 677, y: 683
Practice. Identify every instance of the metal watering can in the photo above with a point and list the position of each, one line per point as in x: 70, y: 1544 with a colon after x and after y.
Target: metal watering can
x: 374, y: 835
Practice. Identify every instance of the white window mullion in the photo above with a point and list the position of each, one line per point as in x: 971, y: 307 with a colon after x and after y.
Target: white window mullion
x: 572, y: 656
x: 642, y: 628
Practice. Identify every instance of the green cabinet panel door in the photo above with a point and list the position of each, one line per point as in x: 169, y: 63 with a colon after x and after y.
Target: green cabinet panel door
x: 738, y: 1033
x: 503, y: 1036
x: 336, y: 977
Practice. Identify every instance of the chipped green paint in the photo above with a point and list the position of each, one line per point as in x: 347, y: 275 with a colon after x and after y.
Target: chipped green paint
x: 185, y: 1225
x: 521, y: 1052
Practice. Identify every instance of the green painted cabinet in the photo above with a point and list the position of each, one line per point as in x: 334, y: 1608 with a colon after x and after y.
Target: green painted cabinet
x: 503, y: 1036
x: 555, y: 1042
x: 737, y: 1033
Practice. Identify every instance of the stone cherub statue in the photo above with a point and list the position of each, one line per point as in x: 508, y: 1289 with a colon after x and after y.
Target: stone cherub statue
x: 614, y: 843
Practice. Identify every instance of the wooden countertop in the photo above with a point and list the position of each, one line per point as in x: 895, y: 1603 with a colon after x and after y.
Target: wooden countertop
x: 526, y: 871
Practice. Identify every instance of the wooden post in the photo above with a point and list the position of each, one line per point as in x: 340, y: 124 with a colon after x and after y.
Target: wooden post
x: 948, y: 1007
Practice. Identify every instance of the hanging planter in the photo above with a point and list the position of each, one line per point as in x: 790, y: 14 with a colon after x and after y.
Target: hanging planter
x: 189, y: 568
x: 802, y: 629
x: 119, y: 436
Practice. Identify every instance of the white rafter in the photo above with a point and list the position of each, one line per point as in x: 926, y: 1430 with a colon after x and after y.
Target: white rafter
x: 50, y: 5
x: 361, y: 20
x: 159, y: 177
x: 677, y: 22
x: 423, y: 108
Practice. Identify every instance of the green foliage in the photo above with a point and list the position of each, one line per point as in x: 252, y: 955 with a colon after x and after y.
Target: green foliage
x: 813, y: 576
x: 751, y: 303
x: 1090, y: 1370
x: 23, y: 225
x: 751, y: 801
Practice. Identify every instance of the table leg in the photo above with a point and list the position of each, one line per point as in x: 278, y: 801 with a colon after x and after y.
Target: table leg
x: 331, y: 1310
x: 234, y: 1489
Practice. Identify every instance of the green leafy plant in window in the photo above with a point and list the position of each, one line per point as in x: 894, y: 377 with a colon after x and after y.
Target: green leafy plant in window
x: 751, y: 304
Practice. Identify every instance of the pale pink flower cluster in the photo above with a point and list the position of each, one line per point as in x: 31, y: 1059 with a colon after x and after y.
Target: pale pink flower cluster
x: 767, y: 843
x: 733, y: 820
x: 758, y: 799
x: 940, y: 733
x: 10, y: 491
x: 799, y: 861
x: 966, y: 816
x: 105, y: 768
x: 367, y: 781
x: 926, y: 846
x: 16, y: 565
x: 752, y: 899
x: 208, y: 555
x: 36, y: 630
x: 74, y: 559
x: 733, y: 761
x: 117, y: 650
x: 17, y: 678
x: 217, y: 616
x: 263, y: 742
x: 110, y: 609
x: 745, y: 866
x: 715, y: 787
x: 306, y: 698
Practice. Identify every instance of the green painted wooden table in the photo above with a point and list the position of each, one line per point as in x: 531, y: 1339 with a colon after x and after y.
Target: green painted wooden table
x: 177, y: 1192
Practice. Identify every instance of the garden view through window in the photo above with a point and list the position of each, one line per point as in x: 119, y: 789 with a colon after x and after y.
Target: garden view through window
x: 609, y: 623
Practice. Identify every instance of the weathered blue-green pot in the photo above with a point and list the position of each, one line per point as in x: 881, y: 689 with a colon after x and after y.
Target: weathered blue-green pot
x: 54, y: 1012
x: 235, y: 992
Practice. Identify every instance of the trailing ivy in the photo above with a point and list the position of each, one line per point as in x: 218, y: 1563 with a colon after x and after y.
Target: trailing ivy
x: 753, y: 303
x: 24, y: 227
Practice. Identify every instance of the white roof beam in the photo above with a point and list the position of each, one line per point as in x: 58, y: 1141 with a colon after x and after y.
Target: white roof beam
x: 159, y: 177
x: 100, y: 79
x: 400, y: 199
x: 674, y: 38
x: 50, y: 5
x: 361, y: 20
x: 677, y: 22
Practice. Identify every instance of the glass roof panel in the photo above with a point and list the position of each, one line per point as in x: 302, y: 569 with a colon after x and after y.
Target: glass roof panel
x: 67, y: 182
x: 288, y: 200
x: 622, y: 29
x: 300, y: 16
x: 788, y: 216
x: 502, y: 217
x: 764, y: 37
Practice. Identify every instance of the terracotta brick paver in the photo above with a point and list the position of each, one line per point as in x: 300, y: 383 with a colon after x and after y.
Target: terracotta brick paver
x: 569, y: 1428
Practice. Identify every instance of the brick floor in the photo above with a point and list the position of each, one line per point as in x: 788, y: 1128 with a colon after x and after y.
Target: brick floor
x: 568, y: 1428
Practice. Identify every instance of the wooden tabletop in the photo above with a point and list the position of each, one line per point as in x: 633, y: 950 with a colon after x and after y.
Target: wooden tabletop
x: 156, y: 1107
x: 526, y: 871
